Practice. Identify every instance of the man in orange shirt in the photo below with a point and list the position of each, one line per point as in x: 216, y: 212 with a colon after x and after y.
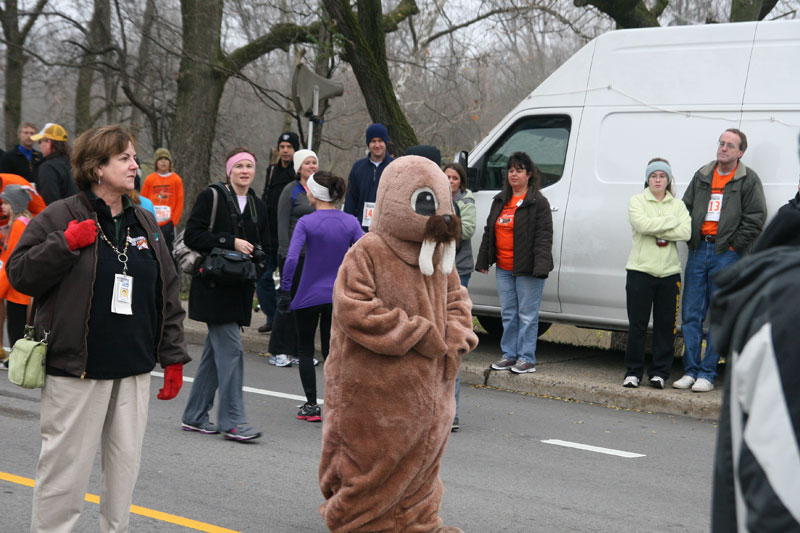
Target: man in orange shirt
x: 165, y: 189
x: 726, y: 201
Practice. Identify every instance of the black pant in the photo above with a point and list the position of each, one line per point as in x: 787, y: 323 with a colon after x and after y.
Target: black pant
x: 645, y: 292
x: 17, y: 316
x: 283, y: 338
x: 307, y: 320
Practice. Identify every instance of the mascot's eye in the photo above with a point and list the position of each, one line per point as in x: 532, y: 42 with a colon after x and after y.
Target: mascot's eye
x: 423, y: 202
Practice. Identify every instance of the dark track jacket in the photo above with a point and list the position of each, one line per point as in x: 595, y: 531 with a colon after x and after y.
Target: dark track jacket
x: 754, y: 318
x: 54, y: 179
x: 533, y: 236
x: 43, y: 266
x: 362, y: 185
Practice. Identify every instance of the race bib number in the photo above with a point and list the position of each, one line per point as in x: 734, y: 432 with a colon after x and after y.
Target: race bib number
x: 714, y: 208
x: 163, y: 213
x: 369, y: 212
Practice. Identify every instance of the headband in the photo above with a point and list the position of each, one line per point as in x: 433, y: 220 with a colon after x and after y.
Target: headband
x: 235, y: 158
x: 658, y: 165
x: 320, y: 192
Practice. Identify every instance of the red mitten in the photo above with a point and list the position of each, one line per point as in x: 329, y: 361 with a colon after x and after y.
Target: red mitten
x: 80, y: 234
x: 173, y: 379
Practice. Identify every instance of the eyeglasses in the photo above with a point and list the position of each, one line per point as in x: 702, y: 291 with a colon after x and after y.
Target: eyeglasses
x: 729, y: 146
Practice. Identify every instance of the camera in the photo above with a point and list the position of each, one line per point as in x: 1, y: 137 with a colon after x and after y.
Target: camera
x: 259, y: 258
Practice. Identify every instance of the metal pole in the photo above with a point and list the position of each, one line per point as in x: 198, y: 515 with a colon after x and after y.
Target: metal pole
x: 314, y: 113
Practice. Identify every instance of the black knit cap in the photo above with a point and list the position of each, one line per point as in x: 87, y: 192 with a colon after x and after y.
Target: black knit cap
x: 426, y: 150
x: 290, y: 137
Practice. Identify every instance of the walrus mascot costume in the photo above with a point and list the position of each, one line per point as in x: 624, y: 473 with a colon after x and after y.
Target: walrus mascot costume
x: 401, y: 322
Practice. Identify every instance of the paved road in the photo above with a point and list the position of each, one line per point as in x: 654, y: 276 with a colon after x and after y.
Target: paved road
x: 499, y: 473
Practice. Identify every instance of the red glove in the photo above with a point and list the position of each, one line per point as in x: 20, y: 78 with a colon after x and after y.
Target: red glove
x: 80, y: 234
x: 173, y: 379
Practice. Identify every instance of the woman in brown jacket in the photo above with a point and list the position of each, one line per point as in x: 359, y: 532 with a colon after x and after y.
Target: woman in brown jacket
x: 79, y: 259
x: 518, y: 237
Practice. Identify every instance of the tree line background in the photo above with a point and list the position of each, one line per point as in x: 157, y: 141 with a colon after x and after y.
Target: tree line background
x: 201, y: 76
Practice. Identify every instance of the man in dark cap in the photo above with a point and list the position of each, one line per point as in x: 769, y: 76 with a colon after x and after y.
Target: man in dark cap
x: 278, y: 175
x: 366, y: 174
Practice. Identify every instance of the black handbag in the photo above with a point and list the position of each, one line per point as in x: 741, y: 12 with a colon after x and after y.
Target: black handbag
x: 227, y: 267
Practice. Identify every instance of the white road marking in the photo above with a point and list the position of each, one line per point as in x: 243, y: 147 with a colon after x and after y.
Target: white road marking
x: 590, y: 448
x: 253, y: 390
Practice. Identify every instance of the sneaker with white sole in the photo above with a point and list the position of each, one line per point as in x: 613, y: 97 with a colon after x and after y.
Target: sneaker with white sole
x: 241, y: 433
x: 503, y: 364
x: 206, y: 428
x: 523, y: 367
x: 631, y: 382
x: 657, y: 382
x: 282, y: 360
x: 702, y: 385
x: 684, y: 383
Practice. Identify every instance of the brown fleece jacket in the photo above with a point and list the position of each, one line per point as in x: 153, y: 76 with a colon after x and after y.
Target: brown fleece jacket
x: 396, y: 345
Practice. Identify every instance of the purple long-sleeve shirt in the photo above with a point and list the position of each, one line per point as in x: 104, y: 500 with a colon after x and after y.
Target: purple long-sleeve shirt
x: 327, y: 235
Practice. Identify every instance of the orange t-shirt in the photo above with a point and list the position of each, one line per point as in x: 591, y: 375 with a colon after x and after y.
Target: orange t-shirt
x: 166, y: 193
x: 7, y: 292
x: 711, y: 221
x: 504, y: 233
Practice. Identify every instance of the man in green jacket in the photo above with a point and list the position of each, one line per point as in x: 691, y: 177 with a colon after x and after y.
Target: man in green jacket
x: 726, y: 202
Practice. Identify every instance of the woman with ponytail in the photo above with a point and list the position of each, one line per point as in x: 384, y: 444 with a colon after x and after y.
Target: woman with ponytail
x: 327, y: 234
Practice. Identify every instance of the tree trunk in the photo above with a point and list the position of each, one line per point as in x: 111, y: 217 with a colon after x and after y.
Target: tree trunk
x: 745, y: 10
x: 15, y: 63
x: 98, y: 38
x: 140, y: 74
x: 627, y: 13
x: 365, y: 51
x: 200, y: 86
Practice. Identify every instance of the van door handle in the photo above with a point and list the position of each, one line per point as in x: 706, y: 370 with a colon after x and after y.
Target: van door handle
x: 553, y: 208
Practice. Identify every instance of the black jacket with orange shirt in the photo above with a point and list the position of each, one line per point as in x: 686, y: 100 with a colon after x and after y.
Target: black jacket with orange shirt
x: 533, y: 236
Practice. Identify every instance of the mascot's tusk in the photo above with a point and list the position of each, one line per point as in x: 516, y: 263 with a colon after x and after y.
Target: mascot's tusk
x: 448, y: 258
x: 426, y: 256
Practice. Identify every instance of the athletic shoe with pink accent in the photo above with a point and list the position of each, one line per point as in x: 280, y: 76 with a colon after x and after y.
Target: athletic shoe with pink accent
x: 310, y: 413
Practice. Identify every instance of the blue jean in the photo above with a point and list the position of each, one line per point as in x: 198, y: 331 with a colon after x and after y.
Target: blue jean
x: 221, y: 366
x: 520, y: 298
x: 464, y: 281
x: 265, y: 289
x: 698, y: 289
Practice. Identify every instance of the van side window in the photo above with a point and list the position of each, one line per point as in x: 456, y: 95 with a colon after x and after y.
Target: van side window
x: 543, y: 138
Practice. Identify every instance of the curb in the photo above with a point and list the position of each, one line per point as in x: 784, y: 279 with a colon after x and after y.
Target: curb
x: 700, y: 406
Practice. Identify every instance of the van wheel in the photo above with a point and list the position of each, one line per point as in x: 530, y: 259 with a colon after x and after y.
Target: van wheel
x: 494, y: 326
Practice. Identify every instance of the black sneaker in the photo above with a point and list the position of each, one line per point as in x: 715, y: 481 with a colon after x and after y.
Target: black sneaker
x: 310, y: 413
x: 266, y: 328
x: 241, y: 433
x: 503, y: 364
x: 456, y: 426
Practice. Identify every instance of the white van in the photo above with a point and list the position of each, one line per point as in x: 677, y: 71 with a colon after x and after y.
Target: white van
x: 624, y: 98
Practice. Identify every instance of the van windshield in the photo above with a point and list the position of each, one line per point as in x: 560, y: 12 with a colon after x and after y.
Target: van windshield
x: 543, y: 138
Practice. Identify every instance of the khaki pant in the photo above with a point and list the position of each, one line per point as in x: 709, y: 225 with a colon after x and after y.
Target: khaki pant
x: 76, y: 416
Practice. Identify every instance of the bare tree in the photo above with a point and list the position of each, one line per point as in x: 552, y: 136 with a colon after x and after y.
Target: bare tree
x: 15, y: 37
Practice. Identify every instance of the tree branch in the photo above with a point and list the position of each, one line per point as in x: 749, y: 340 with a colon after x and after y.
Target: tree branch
x: 32, y: 18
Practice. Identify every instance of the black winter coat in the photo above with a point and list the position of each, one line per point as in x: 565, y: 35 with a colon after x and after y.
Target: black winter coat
x: 54, y: 179
x: 207, y: 302
x: 15, y: 162
x: 533, y: 236
x: 278, y: 177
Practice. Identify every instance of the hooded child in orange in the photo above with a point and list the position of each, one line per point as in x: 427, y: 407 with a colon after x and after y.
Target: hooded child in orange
x: 401, y: 322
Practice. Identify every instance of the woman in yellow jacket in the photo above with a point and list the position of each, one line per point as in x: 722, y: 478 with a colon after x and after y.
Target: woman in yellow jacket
x: 658, y: 220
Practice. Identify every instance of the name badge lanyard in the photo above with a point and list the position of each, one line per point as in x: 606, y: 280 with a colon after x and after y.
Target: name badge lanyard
x: 123, y: 283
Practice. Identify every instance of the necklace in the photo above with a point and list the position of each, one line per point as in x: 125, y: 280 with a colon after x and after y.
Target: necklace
x: 122, y: 256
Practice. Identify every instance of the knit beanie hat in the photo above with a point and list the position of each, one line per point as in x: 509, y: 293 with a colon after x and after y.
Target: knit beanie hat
x: 657, y: 165
x: 377, y: 130
x: 290, y: 137
x: 302, y: 155
x: 428, y: 151
x: 17, y: 196
x: 163, y: 153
